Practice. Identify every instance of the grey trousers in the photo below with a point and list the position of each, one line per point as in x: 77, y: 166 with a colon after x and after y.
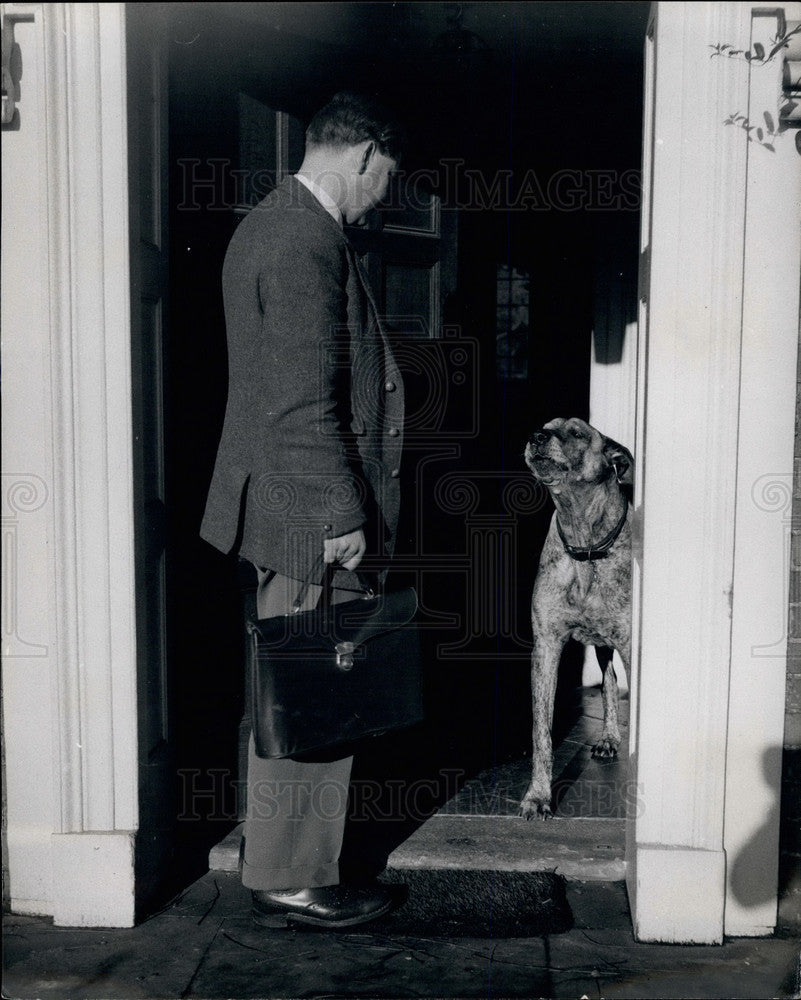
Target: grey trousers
x: 296, y: 810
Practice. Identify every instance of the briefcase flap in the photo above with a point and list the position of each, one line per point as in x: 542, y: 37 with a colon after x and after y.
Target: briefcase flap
x: 355, y: 622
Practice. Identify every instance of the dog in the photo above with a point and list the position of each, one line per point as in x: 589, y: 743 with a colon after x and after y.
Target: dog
x: 583, y: 585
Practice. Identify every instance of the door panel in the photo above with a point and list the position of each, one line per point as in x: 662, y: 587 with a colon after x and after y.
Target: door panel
x: 411, y: 297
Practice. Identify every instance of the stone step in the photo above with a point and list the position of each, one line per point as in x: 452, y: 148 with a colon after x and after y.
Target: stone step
x: 583, y: 849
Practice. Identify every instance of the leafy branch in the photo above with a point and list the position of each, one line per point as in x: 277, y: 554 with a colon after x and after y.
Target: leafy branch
x: 756, y: 133
x: 758, y: 54
x: 762, y: 134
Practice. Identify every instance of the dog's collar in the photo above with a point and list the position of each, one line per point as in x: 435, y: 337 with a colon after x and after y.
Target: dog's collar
x: 601, y: 549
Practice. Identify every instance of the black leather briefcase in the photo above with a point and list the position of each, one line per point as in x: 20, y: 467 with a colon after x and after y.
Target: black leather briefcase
x: 336, y: 674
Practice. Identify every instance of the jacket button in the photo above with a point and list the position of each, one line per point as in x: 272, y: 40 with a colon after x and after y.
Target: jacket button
x: 395, y: 473
x: 393, y: 432
x: 328, y: 527
x: 390, y: 386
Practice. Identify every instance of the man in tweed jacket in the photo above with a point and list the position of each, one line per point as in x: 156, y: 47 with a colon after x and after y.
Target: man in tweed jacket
x: 308, y: 465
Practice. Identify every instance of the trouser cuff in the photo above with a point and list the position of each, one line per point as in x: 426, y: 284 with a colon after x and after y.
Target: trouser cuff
x: 309, y: 877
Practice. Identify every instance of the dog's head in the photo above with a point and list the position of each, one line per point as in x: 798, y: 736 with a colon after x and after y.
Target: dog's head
x: 569, y: 451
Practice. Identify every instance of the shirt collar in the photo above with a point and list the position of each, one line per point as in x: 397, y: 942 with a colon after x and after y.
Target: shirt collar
x: 323, y: 197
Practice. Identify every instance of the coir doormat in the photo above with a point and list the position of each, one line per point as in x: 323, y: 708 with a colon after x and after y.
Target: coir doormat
x: 480, y: 904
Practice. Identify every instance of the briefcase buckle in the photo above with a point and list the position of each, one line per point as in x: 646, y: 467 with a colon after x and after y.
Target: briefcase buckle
x: 344, y: 651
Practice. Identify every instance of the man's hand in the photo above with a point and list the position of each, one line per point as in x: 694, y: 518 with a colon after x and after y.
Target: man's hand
x: 347, y: 550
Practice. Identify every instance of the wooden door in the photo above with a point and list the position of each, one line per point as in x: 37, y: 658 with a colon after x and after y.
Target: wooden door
x: 147, y: 139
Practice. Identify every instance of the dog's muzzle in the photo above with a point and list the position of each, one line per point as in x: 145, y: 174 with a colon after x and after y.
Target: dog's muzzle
x: 535, y: 450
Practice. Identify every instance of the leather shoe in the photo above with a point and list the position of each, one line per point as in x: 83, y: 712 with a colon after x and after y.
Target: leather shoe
x: 325, y: 906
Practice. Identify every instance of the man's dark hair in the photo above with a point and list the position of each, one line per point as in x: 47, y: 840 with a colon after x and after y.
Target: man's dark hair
x: 350, y: 119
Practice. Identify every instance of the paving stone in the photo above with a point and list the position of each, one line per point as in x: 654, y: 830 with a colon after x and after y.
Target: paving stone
x: 609, y: 963
x: 599, y: 904
x: 217, y: 894
x: 157, y: 959
x: 244, y: 963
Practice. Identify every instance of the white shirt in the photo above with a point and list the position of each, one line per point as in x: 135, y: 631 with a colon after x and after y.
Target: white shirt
x: 323, y: 197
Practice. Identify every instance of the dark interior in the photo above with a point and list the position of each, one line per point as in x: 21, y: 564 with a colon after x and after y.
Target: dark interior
x: 530, y: 132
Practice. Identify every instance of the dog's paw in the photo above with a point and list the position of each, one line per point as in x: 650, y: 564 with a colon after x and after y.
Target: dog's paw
x: 534, y: 805
x: 605, y: 749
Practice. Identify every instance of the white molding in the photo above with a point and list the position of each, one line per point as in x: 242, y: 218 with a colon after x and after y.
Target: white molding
x: 91, y: 379
x: 67, y: 766
x: 113, y: 87
x: 772, y: 264
x: 687, y: 462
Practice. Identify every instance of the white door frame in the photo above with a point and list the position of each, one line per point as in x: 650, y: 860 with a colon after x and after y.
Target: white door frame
x: 768, y: 389
x: 715, y: 416
x: 70, y: 707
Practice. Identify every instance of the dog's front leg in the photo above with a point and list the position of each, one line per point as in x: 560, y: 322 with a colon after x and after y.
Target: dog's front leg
x: 609, y: 742
x: 544, y: 668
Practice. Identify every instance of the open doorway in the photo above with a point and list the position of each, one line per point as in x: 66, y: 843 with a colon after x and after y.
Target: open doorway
x: 525, y: 122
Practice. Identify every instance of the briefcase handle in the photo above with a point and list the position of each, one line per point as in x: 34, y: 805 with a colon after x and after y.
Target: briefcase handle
x: 316, y: 573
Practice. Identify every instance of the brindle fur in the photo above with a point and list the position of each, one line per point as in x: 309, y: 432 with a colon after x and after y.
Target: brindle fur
x: 586, y: 474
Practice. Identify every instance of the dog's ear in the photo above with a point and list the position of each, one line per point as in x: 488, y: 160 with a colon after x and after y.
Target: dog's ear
x: 621, y: 460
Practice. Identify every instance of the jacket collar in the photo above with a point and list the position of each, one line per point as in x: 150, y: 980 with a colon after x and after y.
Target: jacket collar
x: 294, y: 193
x: 323, y: 197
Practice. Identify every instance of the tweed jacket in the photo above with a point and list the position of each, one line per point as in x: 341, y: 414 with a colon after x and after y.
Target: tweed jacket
x: 313, y: 430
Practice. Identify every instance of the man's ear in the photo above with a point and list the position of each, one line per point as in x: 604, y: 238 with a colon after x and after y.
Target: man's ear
x: 367, y: 155
x: 621, y: 460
